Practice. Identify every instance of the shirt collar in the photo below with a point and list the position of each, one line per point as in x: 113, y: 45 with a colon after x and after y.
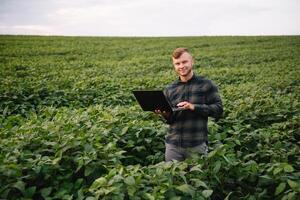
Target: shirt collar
x: 190, y: 80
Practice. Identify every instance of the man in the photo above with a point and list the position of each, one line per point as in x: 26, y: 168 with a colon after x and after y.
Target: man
x: 199, y: 99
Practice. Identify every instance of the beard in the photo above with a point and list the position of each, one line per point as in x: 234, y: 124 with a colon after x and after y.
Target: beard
x: 185, y: 72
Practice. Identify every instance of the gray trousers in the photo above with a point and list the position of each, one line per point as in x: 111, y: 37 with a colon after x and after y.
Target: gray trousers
x: 178, y: 153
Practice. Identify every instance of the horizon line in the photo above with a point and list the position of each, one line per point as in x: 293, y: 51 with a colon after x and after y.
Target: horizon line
x: 149, y: 36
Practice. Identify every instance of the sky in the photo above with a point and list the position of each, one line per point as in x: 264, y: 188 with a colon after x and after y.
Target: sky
x: 150, y: 17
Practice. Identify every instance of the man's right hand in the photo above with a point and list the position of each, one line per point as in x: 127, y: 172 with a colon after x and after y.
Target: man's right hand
x: 163, y: 113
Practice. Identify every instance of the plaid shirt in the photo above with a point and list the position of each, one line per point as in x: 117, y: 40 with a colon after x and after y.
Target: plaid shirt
x: 189, y: 128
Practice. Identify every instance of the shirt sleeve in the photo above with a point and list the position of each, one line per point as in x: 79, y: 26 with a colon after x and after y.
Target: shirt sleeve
x: 213, y: 107
x: 170, y: 118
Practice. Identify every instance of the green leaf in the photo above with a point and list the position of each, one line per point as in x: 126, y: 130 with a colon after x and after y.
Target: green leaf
x: 289, y: 196
x: 237, y: 142
x: 88, y: 170
x: 199, y: 183
x: 98, y: 183
x: 217, y: 167
x: 251, y: 197
x: 56, y: 160
x: 207, y: 193
x: 226, y: 159
x: 175, y: 198
x: 90, y: 198
x: 277, y: 170
x: 280, y: 188
x: 46, y: 191
x: 183, y: 177
x: 227, y: 197
x: 30, y: 192
x: 265, y: 179
x: 88, y: 148
x: 78, y: 183
x: 196, y: 168
x: 129, y: 180
x: 20, y: 185
x: 294, y: 185
x: 159, y: 171
x: 288, y: 168
x: 185, y: 188
x: 80, y: 195
x: 124, y: 130
x: 149, y: 196
x: 212, y: 153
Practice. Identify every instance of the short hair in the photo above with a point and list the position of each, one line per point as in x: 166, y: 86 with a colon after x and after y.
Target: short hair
x: 179, y: 51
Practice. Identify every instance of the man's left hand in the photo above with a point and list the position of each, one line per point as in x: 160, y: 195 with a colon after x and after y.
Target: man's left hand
x: 186, y: 105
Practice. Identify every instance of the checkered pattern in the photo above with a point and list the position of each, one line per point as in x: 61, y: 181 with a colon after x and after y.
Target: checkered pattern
x: 189, y: 128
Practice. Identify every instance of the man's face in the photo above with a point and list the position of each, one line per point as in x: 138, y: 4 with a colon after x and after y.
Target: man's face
x: 184, y: 64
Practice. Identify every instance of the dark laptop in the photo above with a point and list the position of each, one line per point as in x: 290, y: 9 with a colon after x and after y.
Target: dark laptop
x: 151, y: 100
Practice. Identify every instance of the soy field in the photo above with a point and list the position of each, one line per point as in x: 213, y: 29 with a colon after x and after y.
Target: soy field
x: 70, y: 127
